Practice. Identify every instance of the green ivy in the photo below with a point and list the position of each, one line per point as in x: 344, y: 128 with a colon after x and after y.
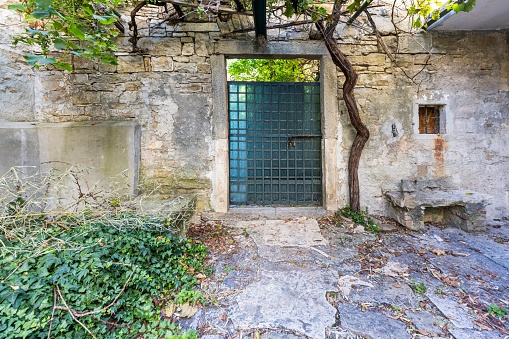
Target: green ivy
x: 83, y: 28
x: 116, y: 281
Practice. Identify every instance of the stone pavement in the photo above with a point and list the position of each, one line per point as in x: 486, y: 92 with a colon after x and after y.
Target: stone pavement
x: 302, y: 278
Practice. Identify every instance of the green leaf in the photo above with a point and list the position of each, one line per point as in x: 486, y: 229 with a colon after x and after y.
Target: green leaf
x: 77, y: 32
x: 354, y: 6
x: 17, y: 7
x: 105, y: 20
x: 32, y: 58
x: 59, y: 43
x: 37, y: 14
x: 88, y: 9
x: 57, y: 13
x: 44, y: 4
x: 57, y: 25
x: 417, y: 23
x: 63, y: 65
x: 36, y: 32
x: 289, y: 10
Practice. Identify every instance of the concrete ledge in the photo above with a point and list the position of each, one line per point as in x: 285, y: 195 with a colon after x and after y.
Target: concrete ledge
x: 103, y: 149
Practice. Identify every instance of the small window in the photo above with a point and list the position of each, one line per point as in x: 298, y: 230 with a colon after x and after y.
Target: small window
x: 430, y: 120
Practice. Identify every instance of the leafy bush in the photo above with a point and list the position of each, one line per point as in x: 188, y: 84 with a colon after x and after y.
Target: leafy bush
x: 95, y: 279
x: 360, y: 218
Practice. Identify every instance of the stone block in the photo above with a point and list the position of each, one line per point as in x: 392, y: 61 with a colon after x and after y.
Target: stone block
x: 374, y: 59
x: 79, y: 78
x: 201, y: 45
x: 181, y: 59
x: 105, y: 68
x: 106, y: 87
x: 459, y: 208
x: 82, y: 63
x: 415, y: 44
x: 162, y: 64
x: 197, y: 27
x: 374, y: 80
x: 185, y: 67
x: 190, y: 88
x: 128, y: 97
x: 52, y: 82
x: 133, y: 86
x: 204, y: 68
x: 130, y: 64
x: 197, y: 59
x: 179, y: 35
x: 158, y: 31
x: 384, y: 24
x: 161, y: 46
x: 188, y: 48
x: 86, y: 98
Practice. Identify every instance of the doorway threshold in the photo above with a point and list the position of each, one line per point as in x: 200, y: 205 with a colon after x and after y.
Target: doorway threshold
x: 272, y: 212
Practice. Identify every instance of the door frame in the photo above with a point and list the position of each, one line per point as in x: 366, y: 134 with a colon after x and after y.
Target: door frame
x: 331, y: 128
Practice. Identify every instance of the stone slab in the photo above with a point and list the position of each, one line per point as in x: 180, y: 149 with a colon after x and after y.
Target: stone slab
x: 371, y: 324
x: 296, y: 232
x: 456, y: 313
x: 460, y: 333
x: 387, y: 293
x: 426, y: 321
x: 291, y: 299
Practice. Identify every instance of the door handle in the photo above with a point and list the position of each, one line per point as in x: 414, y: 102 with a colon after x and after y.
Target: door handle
x: 291, y: 141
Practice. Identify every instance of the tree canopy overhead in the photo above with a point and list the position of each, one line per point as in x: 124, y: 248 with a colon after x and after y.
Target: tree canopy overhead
x: 285, y: 70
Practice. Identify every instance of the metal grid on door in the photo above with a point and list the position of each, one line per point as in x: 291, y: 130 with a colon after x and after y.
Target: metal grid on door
x: 275, y: 143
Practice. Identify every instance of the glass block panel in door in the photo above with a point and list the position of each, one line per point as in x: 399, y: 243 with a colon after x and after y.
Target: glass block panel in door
x: 275, y: 143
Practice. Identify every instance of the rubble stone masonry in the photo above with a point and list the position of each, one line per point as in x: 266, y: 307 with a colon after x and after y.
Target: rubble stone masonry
x: 167, y: 88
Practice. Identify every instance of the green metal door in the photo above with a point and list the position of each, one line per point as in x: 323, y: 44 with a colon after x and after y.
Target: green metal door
x: 275, y: 143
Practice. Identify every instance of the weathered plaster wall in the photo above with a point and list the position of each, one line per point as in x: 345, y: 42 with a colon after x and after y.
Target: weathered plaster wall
x: 469, y: 74
x: 16, y: 78
x: 167, y: 89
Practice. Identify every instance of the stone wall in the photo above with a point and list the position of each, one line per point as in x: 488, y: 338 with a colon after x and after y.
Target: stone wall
x: 168, y: 90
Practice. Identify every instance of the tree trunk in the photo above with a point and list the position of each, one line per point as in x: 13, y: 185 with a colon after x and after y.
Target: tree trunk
x: 362, y: 134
